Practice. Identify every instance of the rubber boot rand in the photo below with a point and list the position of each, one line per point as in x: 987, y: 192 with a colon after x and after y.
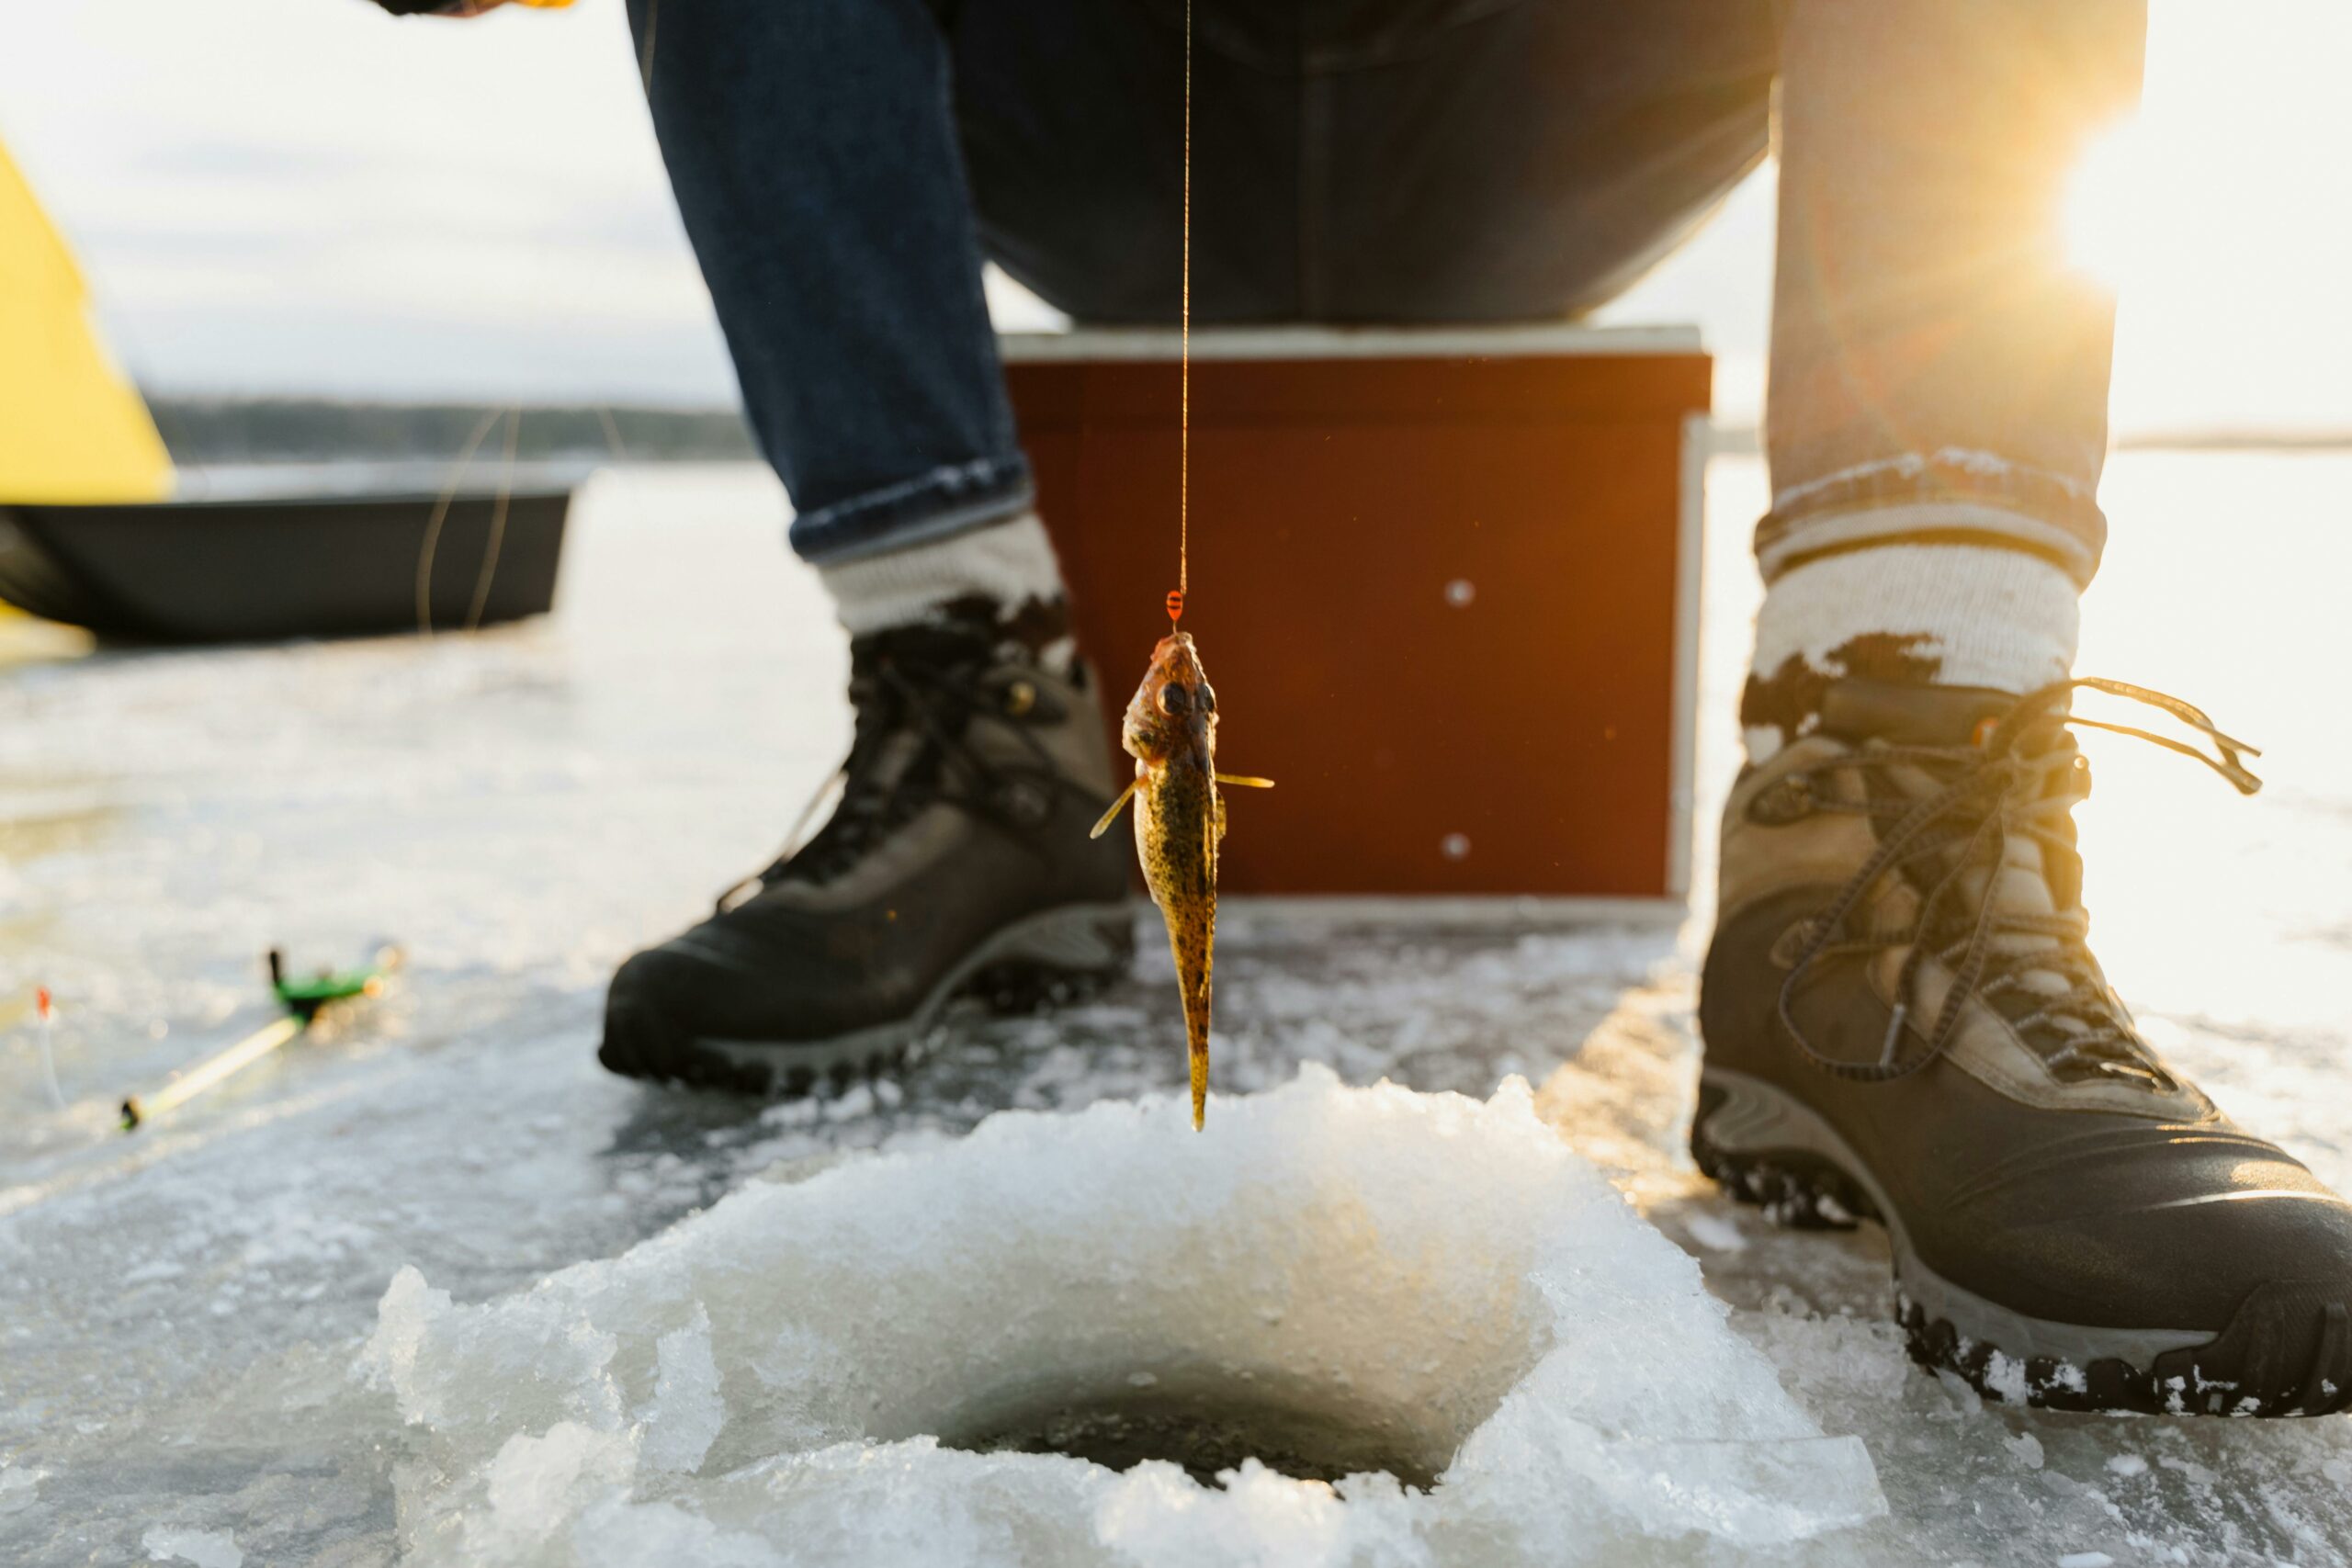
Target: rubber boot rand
x: 956, y: 860
x: 1904, y: 1023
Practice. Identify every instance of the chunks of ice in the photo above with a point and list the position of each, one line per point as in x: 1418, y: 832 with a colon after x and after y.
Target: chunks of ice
x: 1437, y: 1283
x: 687, y: 1411
x: 204, y: 1548
x: 19, y: 1487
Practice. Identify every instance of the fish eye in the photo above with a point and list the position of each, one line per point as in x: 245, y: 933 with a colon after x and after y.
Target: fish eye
x: 1208, y: 698
x: 1174, y: 700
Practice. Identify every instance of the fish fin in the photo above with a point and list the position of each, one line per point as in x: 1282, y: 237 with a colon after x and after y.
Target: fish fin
x: 1244, y: 781
x: 1112, y: 815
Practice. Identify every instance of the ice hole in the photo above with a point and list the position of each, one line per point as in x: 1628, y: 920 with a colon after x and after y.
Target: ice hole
x: 1102, y: 1338
x: 1209, y: 1426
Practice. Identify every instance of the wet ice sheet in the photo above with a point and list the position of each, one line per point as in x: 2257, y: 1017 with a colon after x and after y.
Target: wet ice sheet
x: 178, y: 1311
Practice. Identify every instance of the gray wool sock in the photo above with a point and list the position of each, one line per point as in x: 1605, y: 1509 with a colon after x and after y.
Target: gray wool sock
x: 1006, y: 570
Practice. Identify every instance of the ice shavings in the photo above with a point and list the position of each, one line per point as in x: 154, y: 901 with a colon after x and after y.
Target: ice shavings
x: 19, y: 1487
x: 1713, y: 1232
x: 768, y: 1382
x: 687, y: 1409
x: 205, y: 1549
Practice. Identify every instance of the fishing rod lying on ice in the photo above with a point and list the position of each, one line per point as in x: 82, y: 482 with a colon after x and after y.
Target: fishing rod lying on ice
x: 302, y: 1000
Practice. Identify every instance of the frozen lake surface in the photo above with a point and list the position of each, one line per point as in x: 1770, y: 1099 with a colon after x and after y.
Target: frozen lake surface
x: 183, y: 1314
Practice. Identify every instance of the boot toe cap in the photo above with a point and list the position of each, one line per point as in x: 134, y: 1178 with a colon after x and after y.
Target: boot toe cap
x: 2248, y: 1275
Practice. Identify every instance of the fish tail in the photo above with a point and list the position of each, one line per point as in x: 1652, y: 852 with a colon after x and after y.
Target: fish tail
x: 1193, y: 968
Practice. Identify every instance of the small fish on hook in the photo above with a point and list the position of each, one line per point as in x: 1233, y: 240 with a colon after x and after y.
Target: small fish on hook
x: 1171, y: 731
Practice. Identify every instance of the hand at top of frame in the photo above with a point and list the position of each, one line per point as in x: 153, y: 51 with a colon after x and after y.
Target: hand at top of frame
x: 458, y: 7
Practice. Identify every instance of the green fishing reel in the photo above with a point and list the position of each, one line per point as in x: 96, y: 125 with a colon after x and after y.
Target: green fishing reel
x: 304, y: 997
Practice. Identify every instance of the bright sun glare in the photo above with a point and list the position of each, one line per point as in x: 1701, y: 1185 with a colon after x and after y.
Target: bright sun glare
x: 2109, y: 199
x: 2219, y: 214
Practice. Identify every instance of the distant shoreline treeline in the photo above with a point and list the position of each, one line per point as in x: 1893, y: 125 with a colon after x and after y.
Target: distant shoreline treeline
x: 222, y: 430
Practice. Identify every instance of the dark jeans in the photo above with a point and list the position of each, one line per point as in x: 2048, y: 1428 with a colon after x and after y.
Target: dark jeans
x: 843, y: 166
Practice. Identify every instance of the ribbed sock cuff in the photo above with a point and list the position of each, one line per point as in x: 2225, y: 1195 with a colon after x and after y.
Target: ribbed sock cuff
x: 1941, y: 614
x: 1953, y: 496
x: 1004, y: 573
x: 1008, y: 563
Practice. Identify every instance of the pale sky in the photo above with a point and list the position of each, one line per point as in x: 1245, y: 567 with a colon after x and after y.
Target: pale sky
x: 305, y: 196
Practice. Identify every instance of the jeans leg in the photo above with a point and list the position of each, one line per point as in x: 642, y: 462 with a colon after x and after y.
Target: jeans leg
x: 1525, y: 160
x: 1072, y: 114
x: 1938, y: 370
x: 1364, y: 161
x: 813, y: 152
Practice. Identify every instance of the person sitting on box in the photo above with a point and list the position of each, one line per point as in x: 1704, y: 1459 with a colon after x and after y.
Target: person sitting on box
x: 1902, y: 1020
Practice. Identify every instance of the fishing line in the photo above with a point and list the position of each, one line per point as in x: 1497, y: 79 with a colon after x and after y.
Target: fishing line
x: 440, y: 514
x: 1185, y: 358
x: 497, y: 524
x: 612, y: 433
x: 48, y: 1058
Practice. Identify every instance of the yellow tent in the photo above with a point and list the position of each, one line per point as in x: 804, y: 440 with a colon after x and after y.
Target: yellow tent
x: 71, y: 429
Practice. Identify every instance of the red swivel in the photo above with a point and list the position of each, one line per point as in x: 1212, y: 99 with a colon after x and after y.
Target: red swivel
x: 1175, y: 603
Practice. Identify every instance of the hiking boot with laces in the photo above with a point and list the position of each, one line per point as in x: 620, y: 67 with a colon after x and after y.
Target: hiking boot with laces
x: 955, y: 861
x: 1904, y: 1023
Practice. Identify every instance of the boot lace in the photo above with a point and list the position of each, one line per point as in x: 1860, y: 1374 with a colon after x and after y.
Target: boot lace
x: 2021, y: 779
x: 915, y: 703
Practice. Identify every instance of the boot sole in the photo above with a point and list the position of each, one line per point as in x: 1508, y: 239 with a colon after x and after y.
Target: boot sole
x: 1060, y: 956
x: 2287, y: 1351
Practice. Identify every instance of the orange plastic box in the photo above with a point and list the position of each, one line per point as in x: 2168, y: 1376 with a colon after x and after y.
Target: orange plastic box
x: 1445, y: 581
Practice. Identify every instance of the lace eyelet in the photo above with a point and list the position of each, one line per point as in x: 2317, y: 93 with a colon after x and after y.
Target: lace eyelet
x: 1791, y: 942
x: 1020, y: 697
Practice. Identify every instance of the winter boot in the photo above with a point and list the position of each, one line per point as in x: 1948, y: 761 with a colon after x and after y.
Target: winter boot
x: 1904, y: 1023
x: 956, y: 860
